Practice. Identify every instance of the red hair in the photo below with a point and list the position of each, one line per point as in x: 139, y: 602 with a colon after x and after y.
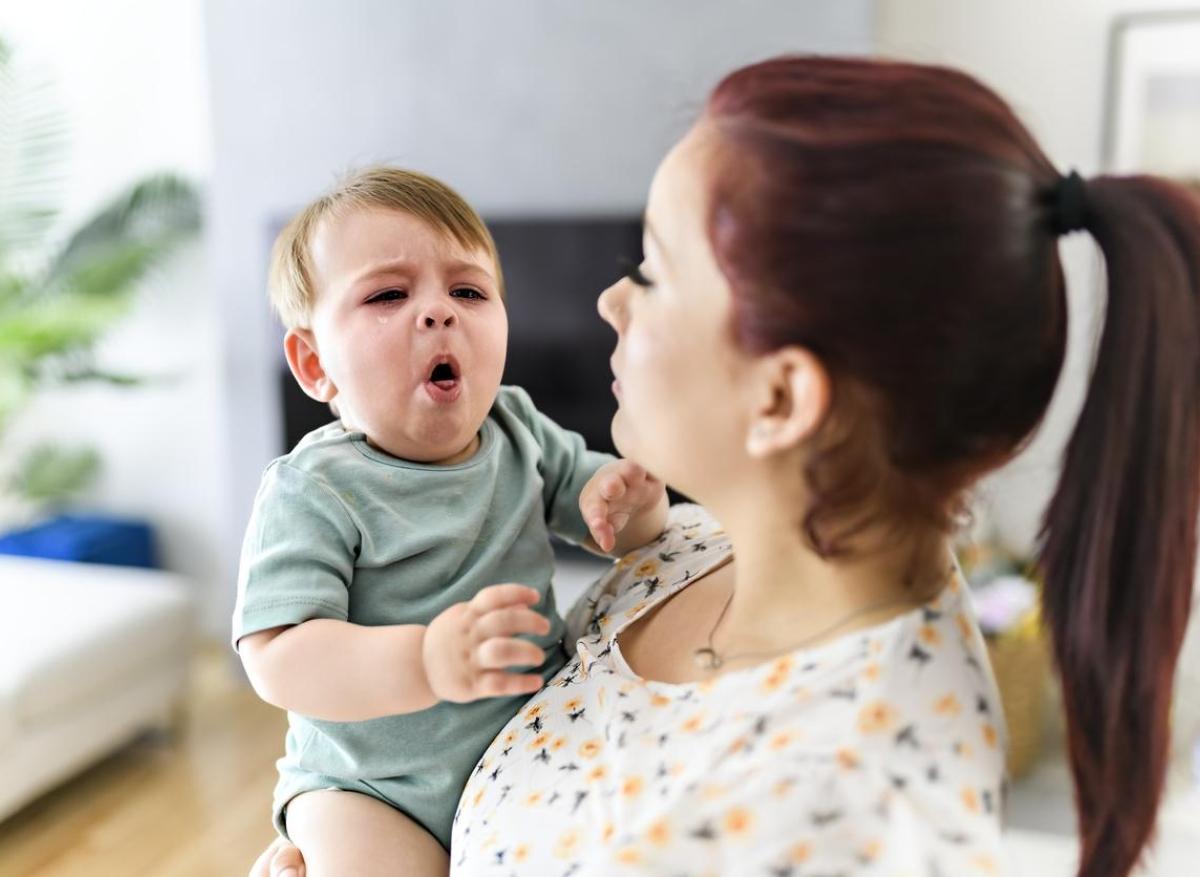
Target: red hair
x: 900, y: 222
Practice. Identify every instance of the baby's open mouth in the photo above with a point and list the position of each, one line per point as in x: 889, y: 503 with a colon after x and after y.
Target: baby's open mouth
x: 444, y: 382
x: 443, y: 375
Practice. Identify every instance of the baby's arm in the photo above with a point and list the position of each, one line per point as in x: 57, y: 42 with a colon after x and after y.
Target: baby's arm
x: 344, y: 672
x: 624, y: 507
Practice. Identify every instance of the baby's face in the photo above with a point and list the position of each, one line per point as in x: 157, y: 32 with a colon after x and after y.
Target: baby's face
x: 410, y: 331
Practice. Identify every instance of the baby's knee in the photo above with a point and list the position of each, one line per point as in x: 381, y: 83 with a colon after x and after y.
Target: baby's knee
x: 343, y: 832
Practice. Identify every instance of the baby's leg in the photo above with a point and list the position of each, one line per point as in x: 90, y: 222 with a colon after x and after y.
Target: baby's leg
x: 347, y: 834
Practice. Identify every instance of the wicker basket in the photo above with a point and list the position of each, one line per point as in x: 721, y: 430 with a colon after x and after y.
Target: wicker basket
x: 1021, y: 661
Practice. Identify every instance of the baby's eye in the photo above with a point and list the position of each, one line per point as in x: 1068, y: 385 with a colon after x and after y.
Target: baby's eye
x: 467, y: 292
x: 388, y: 295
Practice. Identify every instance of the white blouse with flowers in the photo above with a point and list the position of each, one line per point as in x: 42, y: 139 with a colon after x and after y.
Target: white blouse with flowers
x: 877, y: 753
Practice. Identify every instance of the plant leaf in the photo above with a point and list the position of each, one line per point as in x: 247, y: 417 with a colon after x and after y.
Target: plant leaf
x: 156, y: 214
x: 51, y: 474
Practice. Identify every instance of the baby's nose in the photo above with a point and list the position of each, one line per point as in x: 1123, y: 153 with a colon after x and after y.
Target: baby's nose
x: 435, y: 316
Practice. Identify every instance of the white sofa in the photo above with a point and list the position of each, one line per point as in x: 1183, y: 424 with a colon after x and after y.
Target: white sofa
x: 90, y: 656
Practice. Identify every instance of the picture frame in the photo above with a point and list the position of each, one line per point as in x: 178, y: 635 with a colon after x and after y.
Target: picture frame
x: 1152, y: 101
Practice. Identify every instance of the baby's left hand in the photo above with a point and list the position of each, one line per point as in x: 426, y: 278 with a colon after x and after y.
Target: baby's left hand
x: 614, y: 495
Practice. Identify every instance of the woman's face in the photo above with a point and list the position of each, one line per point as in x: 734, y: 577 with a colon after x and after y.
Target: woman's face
x: 676, y: 365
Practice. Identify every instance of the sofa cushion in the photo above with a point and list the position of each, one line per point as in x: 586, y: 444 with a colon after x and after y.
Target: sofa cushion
x: 69, y: 631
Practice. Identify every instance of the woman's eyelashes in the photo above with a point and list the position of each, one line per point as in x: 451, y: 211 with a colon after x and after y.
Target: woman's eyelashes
x: 633, y: 271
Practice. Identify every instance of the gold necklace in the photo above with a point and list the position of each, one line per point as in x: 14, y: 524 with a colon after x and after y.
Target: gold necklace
x: 708, y: 658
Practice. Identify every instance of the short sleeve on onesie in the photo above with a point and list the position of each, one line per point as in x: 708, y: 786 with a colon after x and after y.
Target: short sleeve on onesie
x: 298, y: 553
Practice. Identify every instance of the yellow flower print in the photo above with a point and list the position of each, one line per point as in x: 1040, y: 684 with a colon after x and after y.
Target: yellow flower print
x: 632, y: 787
x: 597, y: 773
x: 607, y: 834
x: 947, y: 706
x: 737, y: 745
x: 659, y: 833
x: 590, y: 748
x: 783, y: 665
x: 510, y: 738
x: 627, y: 561
x: 568, y: 844
x: 533, y: 799
x: 521, y: 853
x: 780, y: 740
x: 693, y: 723
x: 800, y: 853
x: 773, y: 682
x: 713, y: 791
x: 929, y: 635
x: 875, y: 718
x: 782, y: 787
x: 478, y: 797
x: 646, y: 568
x: 848, y: 759
x: 635, y: 609
x: 871, y: 671
x: 629, y: 856
x: 964, y: 625
x: 986, y: 864
x: 990, y: 737
x: 534, y: 711
x: 559, y: 743
x: 970, y: 800
x: 870, y: 851
x: 539, y: 741
x: 737, y: 821
x: 573, y: 704
x: 659, y: 700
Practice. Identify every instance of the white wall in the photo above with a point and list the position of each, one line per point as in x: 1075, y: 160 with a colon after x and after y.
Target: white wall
x: 1048, y: 59
x: 131, y: 79
x: 526, y: 106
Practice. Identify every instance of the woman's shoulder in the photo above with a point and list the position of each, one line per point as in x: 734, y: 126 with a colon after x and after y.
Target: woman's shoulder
x: 691, y: 542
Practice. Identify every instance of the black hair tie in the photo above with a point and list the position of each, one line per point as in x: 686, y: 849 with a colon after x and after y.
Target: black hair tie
x: 1070, y: 204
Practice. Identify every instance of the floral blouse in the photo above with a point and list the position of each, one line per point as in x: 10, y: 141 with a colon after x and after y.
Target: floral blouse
x: 881, y: 752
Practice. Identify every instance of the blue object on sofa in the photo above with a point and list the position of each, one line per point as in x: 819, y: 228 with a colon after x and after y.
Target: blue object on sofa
x: 86, y: 539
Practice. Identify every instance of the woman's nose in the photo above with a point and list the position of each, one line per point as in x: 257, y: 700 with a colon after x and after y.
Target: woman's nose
x: 611, y: 305
x: 436, y: 315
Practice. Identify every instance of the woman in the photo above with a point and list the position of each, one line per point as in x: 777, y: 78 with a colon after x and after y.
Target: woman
x: 852, y: 308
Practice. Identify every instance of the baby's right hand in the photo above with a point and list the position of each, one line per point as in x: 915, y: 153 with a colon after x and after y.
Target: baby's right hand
x: 467, y: 647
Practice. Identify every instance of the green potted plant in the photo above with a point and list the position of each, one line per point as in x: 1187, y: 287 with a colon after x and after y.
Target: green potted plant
x: 60, y: 291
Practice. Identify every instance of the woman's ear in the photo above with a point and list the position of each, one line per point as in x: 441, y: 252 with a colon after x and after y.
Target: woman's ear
x: 300, y: 347
x: 793, y: 399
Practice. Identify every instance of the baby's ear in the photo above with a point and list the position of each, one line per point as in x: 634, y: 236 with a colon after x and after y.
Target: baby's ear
x: 300, y: 348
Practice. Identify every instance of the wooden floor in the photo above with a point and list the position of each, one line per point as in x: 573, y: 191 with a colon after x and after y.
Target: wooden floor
x: 192, y: 802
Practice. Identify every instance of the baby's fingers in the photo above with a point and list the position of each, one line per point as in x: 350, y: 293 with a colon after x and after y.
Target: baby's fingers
x: 509, y: 621
x: 498, y: 653
x: 498, y: 596
x: 498, y: 683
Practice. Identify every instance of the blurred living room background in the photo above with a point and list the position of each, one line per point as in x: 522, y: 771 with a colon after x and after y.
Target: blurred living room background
x: 150, y: 150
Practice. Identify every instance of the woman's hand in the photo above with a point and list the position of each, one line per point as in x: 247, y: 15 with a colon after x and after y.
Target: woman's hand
x: 624, y: 507
x: 280, y: 859
x: 467, y: 648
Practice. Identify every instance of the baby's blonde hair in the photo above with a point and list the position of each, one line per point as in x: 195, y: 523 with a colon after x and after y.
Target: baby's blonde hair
x: 290, y: 284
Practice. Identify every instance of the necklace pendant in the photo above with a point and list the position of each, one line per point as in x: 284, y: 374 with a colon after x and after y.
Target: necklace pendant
x: 707, y: 659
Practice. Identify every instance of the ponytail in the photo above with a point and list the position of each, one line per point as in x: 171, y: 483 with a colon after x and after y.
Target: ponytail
x: 1119, y: 536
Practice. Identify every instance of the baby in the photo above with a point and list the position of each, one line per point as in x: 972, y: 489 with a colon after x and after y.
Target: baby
x: 375, y: 601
